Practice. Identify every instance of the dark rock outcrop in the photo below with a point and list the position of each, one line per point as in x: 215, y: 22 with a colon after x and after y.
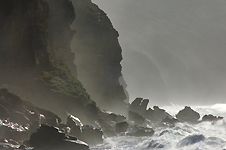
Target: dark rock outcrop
x: 211, y: 118
x: 36, y: 59
x: 23, y: 33
x: 121, y: 127
x: 21, y: 118
x: 98, y: 55
x: 48, y: 137
x: 191, y: 139
x: 170, y: 122
x: 188, y: 115
x: 91, y: 135
x: 155, y: 115
x: 61, y: 16
x: 137, y: 118
x: 155, y: 145
x: 87, y: 133
x: 139, y: 131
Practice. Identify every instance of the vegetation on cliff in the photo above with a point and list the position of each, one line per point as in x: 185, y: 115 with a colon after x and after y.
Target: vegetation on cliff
x: 61, y: 80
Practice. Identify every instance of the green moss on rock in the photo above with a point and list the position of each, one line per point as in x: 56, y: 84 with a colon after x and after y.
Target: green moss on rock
x: 61, y: 80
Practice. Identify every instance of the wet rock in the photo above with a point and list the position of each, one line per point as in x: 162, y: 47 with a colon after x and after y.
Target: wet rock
x: 139, y: 105
x: 48, y: 137
x: 121, y: 127
x: 165, y: 131
x: 110, y: 117
x: 23, y: 112
x: 156, y: 114
x: 211, y: 118
x: 143, y: 106
x: 170, y: 122
x: 137, y: 118
x: 109, y: 133
x: 154, y: 144
x: 91, y: 135
x: 188, y: 115
x: 103, y: 125
x: 120, y: 118
x: 191, y: 139
x: 73, y: 121
x: 140, y: 131
x: 9, y: 144
x: 135, y: 105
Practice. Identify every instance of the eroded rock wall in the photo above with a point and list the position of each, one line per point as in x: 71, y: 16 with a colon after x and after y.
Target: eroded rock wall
x: 98, y: 55
x: 23, y: 33
x: 35, y: 38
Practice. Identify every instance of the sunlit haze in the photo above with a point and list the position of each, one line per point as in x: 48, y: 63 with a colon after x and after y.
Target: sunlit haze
x: 173, y: 51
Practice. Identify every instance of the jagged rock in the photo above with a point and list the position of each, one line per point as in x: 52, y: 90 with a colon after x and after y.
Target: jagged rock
x: 109, y: 133
x: 135, y: 105
x: 120, y: 118
x: 23, y: 118
x: 9, y: 144
x: 211, y: 118
x: 170, y: 121
x: 165, y: 131
x: 191, y: 139
x: 48, y: 137
x: 140, y: 131
x: 73, y: 121
x: 137, y: 118
x: 155, y: 145
x: 103, y: 125
x: 110, y: 117
x: 91, y: 135
x: 139, y: 105
x: 157, y: 114
x: 121, y: 127
x: 188, y: 115
x: 143, y: 106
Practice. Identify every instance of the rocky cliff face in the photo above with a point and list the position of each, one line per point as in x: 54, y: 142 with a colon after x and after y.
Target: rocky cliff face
x: 35, y: 56
x: 98, y: 55
x: 23, y: 33
x: 37, y: 62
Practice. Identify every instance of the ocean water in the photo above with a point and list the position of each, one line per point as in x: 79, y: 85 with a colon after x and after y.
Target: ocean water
x: 202, y: 136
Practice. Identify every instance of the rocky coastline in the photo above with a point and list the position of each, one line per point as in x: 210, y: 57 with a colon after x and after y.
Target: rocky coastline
x: 60, y: 79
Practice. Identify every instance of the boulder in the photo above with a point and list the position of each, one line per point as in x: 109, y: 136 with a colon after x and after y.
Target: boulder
x: 48, y: 137
x: 188, y: 115
x: 190, y: 140
x: 137, y: 118
x: 211, y: 118
x: 121, y: 127
x: 156, y: 114
x: 91, y: 135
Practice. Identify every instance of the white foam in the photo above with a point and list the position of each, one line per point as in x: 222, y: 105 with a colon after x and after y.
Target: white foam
x: 214, y: 133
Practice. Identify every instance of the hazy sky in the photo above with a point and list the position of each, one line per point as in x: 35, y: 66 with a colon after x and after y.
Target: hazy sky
x: 173, y: 50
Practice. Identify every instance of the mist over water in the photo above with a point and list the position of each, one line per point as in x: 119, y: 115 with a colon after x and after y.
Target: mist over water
x: 202, y: 136
x: 173, y: 51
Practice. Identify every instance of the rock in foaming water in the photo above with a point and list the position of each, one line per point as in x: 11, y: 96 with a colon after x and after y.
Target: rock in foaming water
x: 191, y: 139
x: 48, y: 137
